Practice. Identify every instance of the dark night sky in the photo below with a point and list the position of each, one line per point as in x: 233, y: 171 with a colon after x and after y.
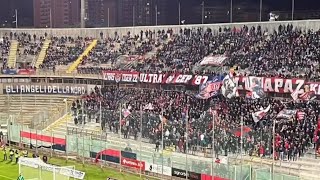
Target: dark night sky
x: 25, y: 8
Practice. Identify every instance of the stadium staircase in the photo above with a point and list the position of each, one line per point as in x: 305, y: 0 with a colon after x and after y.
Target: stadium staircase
x: 12, y: 60
x: 75, y: 64
x: 59, y: 126
x: 43, y: 53
x: 67, y: 122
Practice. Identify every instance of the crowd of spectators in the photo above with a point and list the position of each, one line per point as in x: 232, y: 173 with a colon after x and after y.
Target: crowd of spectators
x: 4, y: 49
x: 293, y: 136
x: 64, y: 50
x: 288, y: 52
x: 29, y: 45
x: 110, y: 50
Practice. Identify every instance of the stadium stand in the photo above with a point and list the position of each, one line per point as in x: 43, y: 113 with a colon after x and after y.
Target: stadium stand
x: 75, y: 64
x: 288, y: 51
x: 294, y: 138
x: 118, y: 53
x: 28, y: 49
x: 13, y: 54
x: 34, y: 111
x: 63, y: 51
x: 4, y: 48
x: 256, y: 51
x: 43, y: 53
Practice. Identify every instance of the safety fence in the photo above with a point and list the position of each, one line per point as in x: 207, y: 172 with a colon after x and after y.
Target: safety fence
x: 36, y: 111
x: 139, y: 156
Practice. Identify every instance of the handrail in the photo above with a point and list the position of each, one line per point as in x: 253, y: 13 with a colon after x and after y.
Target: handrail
x: 80, y: 58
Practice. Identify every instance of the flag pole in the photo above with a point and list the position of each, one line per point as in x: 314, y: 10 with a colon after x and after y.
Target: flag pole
x: 140, y: 144
x: 231, y: 8
x: 162, y: 142
x: 100, y: 117
x: 156, y: 8
x: 187, y: 119
x: 202, y: 12
x: 16, y: 14
x: 120, y: 133
x: 179, y: 12
x: 66, y: 113
x: 292, y: 10
x: 213, y: 125
x: 241, y: 148
x: 260, y: 12
x: 273, y: 145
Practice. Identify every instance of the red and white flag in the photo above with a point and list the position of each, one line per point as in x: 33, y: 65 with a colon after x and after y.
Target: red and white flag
x: 295, y: 95
x: 257, y: 116
x: 300, y: 115
x: 126, y: 112
x: 306, y: 96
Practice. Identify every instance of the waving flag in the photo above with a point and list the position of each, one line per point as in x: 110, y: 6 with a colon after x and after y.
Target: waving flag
x: 257, y: 116
x: 237, y: 131
x: 126, y: 113
x: 210, y: 88
x: 295, y: 95
x: 148, y: 107
x: 229, y: 87
x: 163, y: 120
x: 307, y: 95
x: 286, y: 114
x: 300, y: 115
x: 256, y: 88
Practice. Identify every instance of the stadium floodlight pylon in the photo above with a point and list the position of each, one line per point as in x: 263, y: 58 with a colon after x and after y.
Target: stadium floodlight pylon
x: 36, y: 169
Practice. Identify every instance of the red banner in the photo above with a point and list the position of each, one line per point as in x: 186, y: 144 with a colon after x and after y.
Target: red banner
x: 208, y: 177
x: 43, y: 138
x: 26, y: 71
x: 133, y: 163
x: 154, y: 78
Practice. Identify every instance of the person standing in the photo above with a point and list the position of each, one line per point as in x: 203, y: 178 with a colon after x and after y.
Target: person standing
x: 11, y: 155
x: 157, y: 146
x: 25, y: 153
x: 5, y: 156
x: 17, y: 156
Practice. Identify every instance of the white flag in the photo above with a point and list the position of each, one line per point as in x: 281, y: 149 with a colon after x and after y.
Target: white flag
x: 148, y: 107
x: 257, y: 116
x: 295, y: 95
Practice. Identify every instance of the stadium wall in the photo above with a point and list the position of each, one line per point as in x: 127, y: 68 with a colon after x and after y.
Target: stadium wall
x: 110, y: 32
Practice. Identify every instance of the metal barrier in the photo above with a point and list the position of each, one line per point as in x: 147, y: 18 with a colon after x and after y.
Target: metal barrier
x: 35, y: 111
x: 86, y: 147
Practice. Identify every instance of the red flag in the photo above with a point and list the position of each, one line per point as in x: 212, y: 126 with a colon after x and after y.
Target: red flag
x: 300, y: 115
